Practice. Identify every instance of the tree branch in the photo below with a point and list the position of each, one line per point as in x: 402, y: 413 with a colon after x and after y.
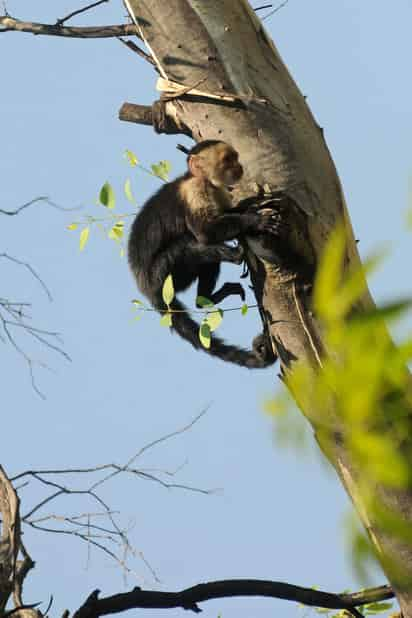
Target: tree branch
x: 61, y: 21
x: 8, y: 24
x: 190, y: 597
x: 135, y: 48
x: 155, y: 115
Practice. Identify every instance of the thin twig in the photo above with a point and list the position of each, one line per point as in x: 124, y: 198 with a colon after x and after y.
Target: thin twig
x: 149, y: 446
x: 201, y: 311
x: 83, y: 525
x: 30, y: 269
x: 131, y: 45
x: 43, y: 199
x: 264, y: 6
x: 61, y: 21
x: 280, y: 6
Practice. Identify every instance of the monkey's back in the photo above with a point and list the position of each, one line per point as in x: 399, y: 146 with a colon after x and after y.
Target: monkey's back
x: 157, y: 237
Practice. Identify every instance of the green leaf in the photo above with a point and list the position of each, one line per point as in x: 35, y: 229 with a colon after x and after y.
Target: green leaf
x: 355, y: 285
x: 388, y: 311
x: 84, y: 236
x: 329, y: 274
x: 166, y: 320
x: 202, y: 301
x: 131, y: 157
x: 376, y: 608
x: 244, y: 309
x: 168, y: 290
x: 106, y: 196
x: 204, y: 335
x: 137, y: 302
x: 116, y: 232
x: 161, y: 169
x: 128, y: 191
x: 214, y: 319
x: 73, y: 226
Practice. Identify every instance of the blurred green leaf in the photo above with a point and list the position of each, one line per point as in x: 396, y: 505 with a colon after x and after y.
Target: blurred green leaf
x: 202, y: 301
x: 166, y: 320
x: 329, y: 274
x: 214, y: 319
x: 107, y: 196
x: 204, y: 335
x: 388, y: 311
x: 73, y: 226
x: 131, y: 157
x: 128, y: 191
x: 84, y: 236
x: 116, y: 232
x: 244, y: 309
x: 376, y: 608
x: 161, y: 169
x: 168, y: 291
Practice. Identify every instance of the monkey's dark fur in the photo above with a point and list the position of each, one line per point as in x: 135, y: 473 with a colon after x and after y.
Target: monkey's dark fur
x: 181, y: 231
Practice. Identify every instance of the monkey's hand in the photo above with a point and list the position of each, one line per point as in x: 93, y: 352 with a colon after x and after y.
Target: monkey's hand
x: 263, y: 349
x: 264, y: 220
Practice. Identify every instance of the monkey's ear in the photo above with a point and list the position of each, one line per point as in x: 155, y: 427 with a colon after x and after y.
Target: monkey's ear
x: 195, y: 165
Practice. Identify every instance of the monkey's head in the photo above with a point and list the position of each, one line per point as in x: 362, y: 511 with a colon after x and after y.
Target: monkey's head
x: 216, y: 162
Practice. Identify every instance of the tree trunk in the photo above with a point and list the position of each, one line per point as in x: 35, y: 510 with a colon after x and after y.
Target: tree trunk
x: 244, y: 94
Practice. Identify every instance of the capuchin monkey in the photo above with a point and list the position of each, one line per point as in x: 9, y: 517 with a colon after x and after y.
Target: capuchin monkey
x: 181, y: 230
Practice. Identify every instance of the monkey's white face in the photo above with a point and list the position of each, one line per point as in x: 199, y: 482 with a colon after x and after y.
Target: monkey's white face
x: 228, y: 170
x: 219, y: 164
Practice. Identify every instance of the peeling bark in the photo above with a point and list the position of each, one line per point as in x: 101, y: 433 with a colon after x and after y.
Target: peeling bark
x: 223, y: 46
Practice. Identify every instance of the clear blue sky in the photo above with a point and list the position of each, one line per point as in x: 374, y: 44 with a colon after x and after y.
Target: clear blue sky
x: 279, y: 515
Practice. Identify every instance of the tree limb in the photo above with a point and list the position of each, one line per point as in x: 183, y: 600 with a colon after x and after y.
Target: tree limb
x: 190, y: 597
x: 61, y: 21
x: 9, y: 24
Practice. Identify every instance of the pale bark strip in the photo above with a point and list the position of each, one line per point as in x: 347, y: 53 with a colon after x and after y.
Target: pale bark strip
x: 223, y: 46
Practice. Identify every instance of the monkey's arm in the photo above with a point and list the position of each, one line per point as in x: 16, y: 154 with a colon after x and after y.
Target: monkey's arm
x: 230, y: 226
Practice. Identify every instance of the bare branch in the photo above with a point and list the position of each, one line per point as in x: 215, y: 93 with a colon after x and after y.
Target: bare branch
x: 43, y: 199
x: 264, y: 6
x: 30, y: 269
x: 14, y: 316
x: 149, y: 446
x: 84, y: 526
x: 11, y: 24
x: 280, y: 6
x: 190, y: 597
x: 131, y: 45
x: 61, y: 21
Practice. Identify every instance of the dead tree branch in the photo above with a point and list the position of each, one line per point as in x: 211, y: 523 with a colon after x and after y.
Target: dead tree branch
x: 14, y: 318
x: 110, y: 538
x: 190, y: 597
x: 135, y: 48
x: 12, y: 24
x: 12, y: 570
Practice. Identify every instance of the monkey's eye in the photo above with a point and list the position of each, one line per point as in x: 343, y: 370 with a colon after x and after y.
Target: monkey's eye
x: 230, y: 159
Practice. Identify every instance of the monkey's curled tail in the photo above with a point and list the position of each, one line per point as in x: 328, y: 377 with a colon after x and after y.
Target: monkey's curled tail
x: 189, y: 329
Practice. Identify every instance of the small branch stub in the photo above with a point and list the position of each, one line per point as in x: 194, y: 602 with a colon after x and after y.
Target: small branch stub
x: 155, y: 116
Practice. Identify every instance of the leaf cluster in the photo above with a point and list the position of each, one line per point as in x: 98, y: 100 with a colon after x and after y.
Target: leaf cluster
x: 361, y: 388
